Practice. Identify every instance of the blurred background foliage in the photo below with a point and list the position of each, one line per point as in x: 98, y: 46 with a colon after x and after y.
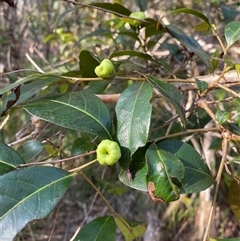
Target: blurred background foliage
x: 48, y: 36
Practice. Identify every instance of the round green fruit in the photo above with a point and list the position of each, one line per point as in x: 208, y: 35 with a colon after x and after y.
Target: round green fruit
x: 137, y: 15
x: 105, y: 68
x: 108, y: 152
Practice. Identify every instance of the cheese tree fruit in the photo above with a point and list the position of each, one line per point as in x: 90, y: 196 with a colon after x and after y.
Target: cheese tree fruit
x: 108, y: 152
x: 105, y: 68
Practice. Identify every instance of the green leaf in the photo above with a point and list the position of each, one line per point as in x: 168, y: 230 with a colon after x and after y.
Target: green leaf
x: 10, y: 100
x: 30, y: 89
x: 228, y: 13
x: 9, y: 159
x: 78, y: 111
x: 135, y: 176
x: 201, y: 85
x: 237, y: 67
x: 100, y: 229
x: 97, y: 87
x: 189, y: 42
x: 197, y: 174
x: 192, y: 12
x: 44, y: 77
x: 133, y: 112
x: 145, y: 56
x: 88, y: 63
x: 27, y: 194
x: 165, y: 175
x: 118, y: 9
x: 142, y: 4
x: 30, y: 149
x: 234, y: 197
x: 221, y: 116
x: 232, y: 32
x: 81, y: 145
x: 171, y: 93
x: 130, y: 230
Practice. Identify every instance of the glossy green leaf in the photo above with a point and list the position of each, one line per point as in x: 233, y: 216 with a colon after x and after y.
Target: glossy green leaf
x: 201, y: 85
x: 87, y: 63
x: 81, y: 145
x: 97, y: 87
x: 171, y: 93
x: 221, y: 116
x: 145, y: 56
x: 30, y: 149
x: 190, y: 43
x: 133, y: 113
x: 197, y: 174
x: 100, y: 229
x: 10, y: 100
x: 229, y: 13
x: 30, y: 89
x: 27, y: 194
x: 44, y: 77
x: 192, y: 12
x: 79, y: 111
x: 165, y: 174
x: 9, y: 159
x: 142, y: 4
x: 234, y: 197
x: 130, y: 230
x: 116, y: 8
x: 232, y: 32
x: 135, y: 176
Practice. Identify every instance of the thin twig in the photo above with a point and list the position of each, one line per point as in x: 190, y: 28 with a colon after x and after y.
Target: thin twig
x: 217, y: 185
x: 185, y: 133
x: 54, y: 223
x: 108, y: 205
x: 57, y: 161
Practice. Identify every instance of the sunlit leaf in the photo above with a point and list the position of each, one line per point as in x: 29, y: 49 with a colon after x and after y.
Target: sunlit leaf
x: 221, y: 116
x: 29, y: 193
x: 232, y: 32
x: 130, y: 230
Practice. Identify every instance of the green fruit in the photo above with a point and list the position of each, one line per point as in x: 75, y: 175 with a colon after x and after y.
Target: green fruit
x: 108, y: 152
x: 105, y: 68
x: 137, y: 15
